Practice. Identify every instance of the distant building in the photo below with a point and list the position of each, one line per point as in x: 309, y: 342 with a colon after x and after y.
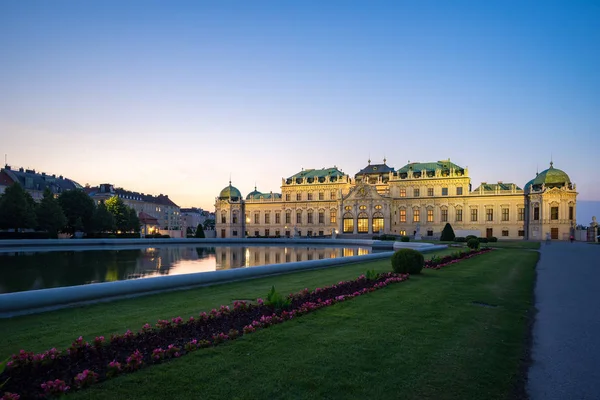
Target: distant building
x: 35, y: 182
x: 192, y: 217
x: 158, y: 214
x: 417, y: 198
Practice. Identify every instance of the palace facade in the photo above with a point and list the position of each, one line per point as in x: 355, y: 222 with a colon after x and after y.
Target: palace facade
x: 417, y: 198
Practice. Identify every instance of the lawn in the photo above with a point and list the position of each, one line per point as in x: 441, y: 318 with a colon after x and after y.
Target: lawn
x: 457, y: 333
x: 501, y: 244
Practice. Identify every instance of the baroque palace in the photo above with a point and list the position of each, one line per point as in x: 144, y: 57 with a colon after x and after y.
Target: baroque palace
x: 417, y: 198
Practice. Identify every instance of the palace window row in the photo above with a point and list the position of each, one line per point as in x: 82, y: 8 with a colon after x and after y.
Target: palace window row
x: 310, y: 196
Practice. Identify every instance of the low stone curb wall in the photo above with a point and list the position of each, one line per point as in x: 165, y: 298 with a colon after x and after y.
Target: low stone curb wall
x: 18, y: 303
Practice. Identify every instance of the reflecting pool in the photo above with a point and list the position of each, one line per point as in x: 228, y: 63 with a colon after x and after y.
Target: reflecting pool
x: 20, y: 271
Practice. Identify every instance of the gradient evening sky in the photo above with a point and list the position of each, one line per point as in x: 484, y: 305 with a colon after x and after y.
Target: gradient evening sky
x: 175, y: 97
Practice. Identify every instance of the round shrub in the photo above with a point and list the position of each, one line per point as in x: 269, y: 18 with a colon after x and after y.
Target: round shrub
x: 407, y: 261
x: 473, y: 243
x: 493, y: 239
x: 405, y: 239
x: 471, y: 237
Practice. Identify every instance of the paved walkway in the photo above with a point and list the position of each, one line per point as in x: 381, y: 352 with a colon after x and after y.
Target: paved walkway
x: 566, y: 333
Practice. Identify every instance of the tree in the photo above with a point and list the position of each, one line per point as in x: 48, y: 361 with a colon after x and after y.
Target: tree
x: 50, y: 216
x: 189, y: 231
x: 133, y: 221
x: 200, y: 232
x: 120, y: 213
x: 447, y: 233
x: 78, y: 208
x: 209, y: 224
x: 17, y: 209
x: 103, y: 219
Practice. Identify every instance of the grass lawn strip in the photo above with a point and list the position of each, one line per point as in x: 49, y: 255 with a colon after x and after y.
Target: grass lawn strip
x: 40, y: 332
x: 425, y: 339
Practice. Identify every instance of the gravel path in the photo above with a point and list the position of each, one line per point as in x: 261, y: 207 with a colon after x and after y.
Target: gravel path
x: 566, y: 334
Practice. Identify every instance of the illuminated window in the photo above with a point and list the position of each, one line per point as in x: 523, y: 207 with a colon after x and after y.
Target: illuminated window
x: 489, y: 214
x: 459, y: 191
x: 310, y: 216
x: 363, y: 223
x: 554, y: 213
x: 332, y: 216
x: 402, y: 192
x: 458, y: 215
x: 429, y: 215
x: 378, y: 207
x: 362, y: 208
x: 402, y: 215
x: 520, y: 214
x: 444, y: 216
x: 321, y: 217
x: 299, y: 217
x: 348, y: 208
x: 416, y: 215
x: 377, y: 222
x: 416, y: 193
x: 348, y: 221
x: 429, y: 191
x: 474, y: 214
x: 505, y: 214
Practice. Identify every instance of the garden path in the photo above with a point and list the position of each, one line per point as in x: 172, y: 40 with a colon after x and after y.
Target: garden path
x: 566, y: 334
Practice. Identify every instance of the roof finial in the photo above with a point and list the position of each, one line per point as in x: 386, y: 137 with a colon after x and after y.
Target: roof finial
x: 369, y: 158
x: 230, y: 179
x: 255, y: 186
x: 384, y: 160
x: 551, y: 162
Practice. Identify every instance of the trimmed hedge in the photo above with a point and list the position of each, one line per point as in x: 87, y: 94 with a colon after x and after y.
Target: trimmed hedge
x: 460, y: 239
x: 473, y: 243
x: 405, y: 238
x: 493, y: 239
x: 407, y: 261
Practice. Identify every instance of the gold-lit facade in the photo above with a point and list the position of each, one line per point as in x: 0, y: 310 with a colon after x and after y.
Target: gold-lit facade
x: 417, y: 199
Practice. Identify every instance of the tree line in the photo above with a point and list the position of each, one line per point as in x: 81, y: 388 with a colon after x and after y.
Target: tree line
x: 73, y: 211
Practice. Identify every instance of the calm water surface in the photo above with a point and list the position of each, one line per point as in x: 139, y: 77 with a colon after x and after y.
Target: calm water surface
x: 20, y: 271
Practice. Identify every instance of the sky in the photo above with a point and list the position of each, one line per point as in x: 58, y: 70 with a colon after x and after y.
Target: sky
x: 179, y: 97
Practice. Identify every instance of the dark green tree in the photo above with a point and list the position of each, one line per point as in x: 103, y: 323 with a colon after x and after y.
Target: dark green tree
x: 103, y: 219
x: 189, y: 231
x: 77, y: 205
x: 133, y: 221
x: 200, y: 232
x: 50, y: 216
x: 209, y: 224
x: 447, y: 233
x: 120, y: 213
x: 17, y: 209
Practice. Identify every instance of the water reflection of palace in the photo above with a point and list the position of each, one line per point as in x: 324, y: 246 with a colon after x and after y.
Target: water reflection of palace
x: 235, y: 257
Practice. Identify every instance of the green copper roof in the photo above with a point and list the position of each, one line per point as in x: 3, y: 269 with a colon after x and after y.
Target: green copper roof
x: 491, y: 187
x: 315, y: 175
x: 230, y: 192
x: 551, y: 177
x: 429, y: 166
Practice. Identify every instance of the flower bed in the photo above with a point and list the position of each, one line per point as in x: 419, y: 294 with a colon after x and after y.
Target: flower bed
x: 53, y: 372
x: 440, y: 262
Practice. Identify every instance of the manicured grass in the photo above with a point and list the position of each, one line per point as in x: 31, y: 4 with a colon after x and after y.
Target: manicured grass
x: 424, y: 338
x: 456, y: 333
x: 501, y: 244
x: 58, y: 329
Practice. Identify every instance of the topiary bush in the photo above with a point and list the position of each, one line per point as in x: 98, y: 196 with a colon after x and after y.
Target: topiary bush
x: 447, y: 233
x: 493, y: 239
x: 407, y: 261
x: 482, y: 239
x: 470, y: 237
x: 405, y: 238
x: 460, y: 239
x: 473, y: 243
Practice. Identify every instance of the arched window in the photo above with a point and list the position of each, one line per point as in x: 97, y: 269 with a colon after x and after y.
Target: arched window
x: 309, y: 215
x: 363, y: 223
x: 377, y: 222
x: 235, y: 217
x: 223, y: 217
x: 348, y: 223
